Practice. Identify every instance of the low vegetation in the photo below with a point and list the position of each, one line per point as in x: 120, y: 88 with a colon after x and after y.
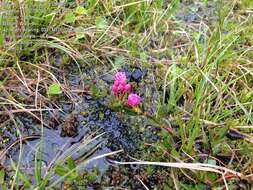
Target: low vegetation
x: 180, y: 119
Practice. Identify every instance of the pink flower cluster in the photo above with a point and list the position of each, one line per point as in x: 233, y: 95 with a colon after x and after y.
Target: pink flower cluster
x: 133, y: 100
x: 120, y: 88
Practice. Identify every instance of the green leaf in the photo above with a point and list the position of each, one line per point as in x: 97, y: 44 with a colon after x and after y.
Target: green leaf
x: 79, y: 33
x: 211, y: 176
x: 143, y: 56
x: 119, y: 62
x: 69, y: 18
x: 94, y: 91
x: 101, y: 22
x: 71, y: 163
x: 2, y: 176
x: 1, y: 39
x: 129, y: 111
x: 4, y: 187
x: 2, y: 33
x: 91, y: 177
x: 54, y: 89
x: 61, y: 170
x: 81, y: 10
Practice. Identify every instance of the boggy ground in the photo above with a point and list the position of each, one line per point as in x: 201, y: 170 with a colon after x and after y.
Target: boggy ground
x: 88, y: 108
x: 190, y: 61
x: 86, y: 112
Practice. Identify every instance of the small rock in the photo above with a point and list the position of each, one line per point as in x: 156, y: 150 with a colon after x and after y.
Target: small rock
x: 138, y: 74
x: 107, y: 78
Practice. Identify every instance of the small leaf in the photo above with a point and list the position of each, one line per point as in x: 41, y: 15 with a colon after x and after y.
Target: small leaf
x: 81, y: 10
x: 1, y: 39
x: 71, y: 163
x: 94, y: 91
x: 101, y: 22
x: 119, y: 62
x: 69, y: 18
x: 61, y: 170
x: 4, y: 187
x: 143, y: 56
x: 79, y: 33
x: 91, y: 177
x: 129, y: 111
x: 211, y: 176
x: 2, y: 33
x: 54, y: 89
x: 2, y: 176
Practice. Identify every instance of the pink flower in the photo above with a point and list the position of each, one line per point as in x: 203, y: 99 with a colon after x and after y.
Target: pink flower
x: 115, y: 89
x: 133, y: 100
x: 120, y: 77
x: 120, y: 86
x: 127, y: 88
